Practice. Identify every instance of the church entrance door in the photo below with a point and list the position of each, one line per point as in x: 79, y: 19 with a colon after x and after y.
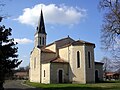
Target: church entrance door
x: 60, y: 76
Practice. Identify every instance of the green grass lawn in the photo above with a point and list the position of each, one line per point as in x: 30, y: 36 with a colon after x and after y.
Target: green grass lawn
x: 114, y: 85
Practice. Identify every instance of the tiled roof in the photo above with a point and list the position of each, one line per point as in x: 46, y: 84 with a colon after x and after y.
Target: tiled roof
x: 59, y: 60
x: 65, y: 45
x: 60, y: 40
x: 46, y: 50
x: 55, y: 60
x: 78, y: 42
x: 73, y: 42
x: 112, y: 73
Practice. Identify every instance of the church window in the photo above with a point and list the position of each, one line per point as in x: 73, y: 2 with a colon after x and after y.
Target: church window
x: 78, y: 59
x: 35, y: 62
x: 89, y: 60
x: 44, y: 73
x: 43, y: 41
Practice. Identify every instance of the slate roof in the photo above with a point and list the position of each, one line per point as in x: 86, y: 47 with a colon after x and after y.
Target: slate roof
x: 41, y: 25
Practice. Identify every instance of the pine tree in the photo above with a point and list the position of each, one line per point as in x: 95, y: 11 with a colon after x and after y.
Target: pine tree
x: 8, y: 54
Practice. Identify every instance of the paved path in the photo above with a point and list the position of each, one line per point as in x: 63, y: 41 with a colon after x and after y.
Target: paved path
x: 17, y: 85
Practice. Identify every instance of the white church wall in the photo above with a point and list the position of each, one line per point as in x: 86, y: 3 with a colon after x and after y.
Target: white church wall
x: 52, y: 47
x: 45, y: 73
x: 90, y: 71
x: 77, y: 75
x: 35, y: 65
x: 63, y: 53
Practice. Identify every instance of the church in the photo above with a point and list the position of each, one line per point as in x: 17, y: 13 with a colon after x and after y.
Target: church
x: 63, y: 61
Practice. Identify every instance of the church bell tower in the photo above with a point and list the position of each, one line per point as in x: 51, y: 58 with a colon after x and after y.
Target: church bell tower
x: 40, y: 35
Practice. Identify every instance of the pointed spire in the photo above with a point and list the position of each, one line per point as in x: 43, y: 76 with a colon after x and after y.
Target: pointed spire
x: 41, y: 26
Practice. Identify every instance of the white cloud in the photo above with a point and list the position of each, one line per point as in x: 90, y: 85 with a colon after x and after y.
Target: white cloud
x: 53, y: 14
x: 23, y: 41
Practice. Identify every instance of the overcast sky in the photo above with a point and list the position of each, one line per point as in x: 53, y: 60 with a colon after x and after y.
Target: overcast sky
x: 80, y: 19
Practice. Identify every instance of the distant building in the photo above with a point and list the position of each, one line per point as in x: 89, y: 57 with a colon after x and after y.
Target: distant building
x: 21, y: 75
x: 112, y: 76
x: 63, y: 61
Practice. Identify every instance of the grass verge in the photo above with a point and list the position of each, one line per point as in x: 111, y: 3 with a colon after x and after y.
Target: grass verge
x: 114, y: 85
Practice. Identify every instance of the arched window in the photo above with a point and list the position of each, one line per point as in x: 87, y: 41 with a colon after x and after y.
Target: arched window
x: 89, y: 61
x: 78, y: 59
x: 43, y: 41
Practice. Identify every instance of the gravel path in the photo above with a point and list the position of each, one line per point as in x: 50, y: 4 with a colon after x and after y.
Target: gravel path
x: 17, y: 85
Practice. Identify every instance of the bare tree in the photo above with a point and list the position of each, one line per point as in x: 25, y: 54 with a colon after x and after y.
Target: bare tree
x: 108, y: 64
x: 110, y: 31
x: 116, y: 65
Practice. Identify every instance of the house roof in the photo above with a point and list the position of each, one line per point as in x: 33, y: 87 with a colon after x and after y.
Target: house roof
x: 55, y: 60
x: 20, y: 73
x: 111, y: 73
